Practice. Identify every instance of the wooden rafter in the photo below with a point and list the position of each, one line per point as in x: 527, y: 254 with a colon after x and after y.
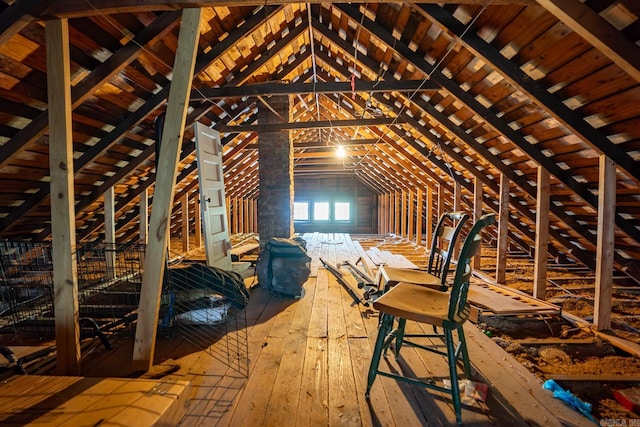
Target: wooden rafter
x: 597, y: 31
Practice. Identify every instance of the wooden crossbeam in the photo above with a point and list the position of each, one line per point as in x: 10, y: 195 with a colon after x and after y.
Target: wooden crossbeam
x: 275, y: 88
x: 323, y: 124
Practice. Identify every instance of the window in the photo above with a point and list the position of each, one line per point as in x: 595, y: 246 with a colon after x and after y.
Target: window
x: 321, y: 211
x: 301, y: 211
x: 342, y: 211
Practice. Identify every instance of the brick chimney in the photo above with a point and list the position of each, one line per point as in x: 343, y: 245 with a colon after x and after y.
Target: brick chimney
x: 275, y: 159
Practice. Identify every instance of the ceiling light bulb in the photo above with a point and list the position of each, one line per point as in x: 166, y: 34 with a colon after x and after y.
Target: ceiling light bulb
x: 340, y: 153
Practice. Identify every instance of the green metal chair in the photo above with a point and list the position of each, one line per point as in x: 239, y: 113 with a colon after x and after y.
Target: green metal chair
x: 446, y: 310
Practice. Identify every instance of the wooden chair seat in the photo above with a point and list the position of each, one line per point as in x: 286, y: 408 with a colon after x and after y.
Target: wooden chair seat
x: 416, y: 302
x: 390, y: 276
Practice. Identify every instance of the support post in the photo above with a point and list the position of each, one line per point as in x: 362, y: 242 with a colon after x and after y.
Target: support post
x: 154, y: 265
x: 65, y: 281
x: 185, y: 222
x: 397, y: 229
x: 503, y: 227
x: 419, y: 212
x: 144, y: 216
x: 411, y: 217
x: 457, y: 198
x: 477, y: 213
x: 110, y: 232
x: 390, y: 212
x: 429, y: 221
x: 605, y: 242
x: 403, y: 213
x: 542, y: 235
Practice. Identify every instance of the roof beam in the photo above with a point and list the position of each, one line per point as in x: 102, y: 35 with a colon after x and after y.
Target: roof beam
x: 511, y: 72
x: 77, y: 8
x: 491, y: 118
x: 17, y: 16
x: 597, y: 31
x: 79, y: 93
x: 276, y: 88
x: 323, y: 124
x: 39, y: 125
x: 431, y: 110
x: 152, y: 104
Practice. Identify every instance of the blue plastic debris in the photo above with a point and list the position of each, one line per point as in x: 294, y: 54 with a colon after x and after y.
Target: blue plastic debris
x: 569, y: 399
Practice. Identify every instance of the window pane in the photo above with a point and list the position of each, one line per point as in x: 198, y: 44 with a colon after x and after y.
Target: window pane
x: 301, y: 211
x: 321, y: 211
x: 343, y: 211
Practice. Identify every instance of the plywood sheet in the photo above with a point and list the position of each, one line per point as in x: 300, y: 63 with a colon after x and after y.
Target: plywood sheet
x: 499, y: 300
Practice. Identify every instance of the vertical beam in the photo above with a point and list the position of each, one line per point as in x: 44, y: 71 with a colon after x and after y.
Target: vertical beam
x: 477, y: 213
x: 236, y: 215
x: 245, y: 217
x: 65, y: 282
x: 385, y: 213
x: 419, y: 211
x: 178, y: 101
x: 198, y: 218
x: 503, y: 227
x: 229, y: 217
x: 429, y: 222
x: 606, y: 240
x: 379, y: 198
x: 457, y: 196
x: 542, y: 235
x: 144, y: 216
x: 397, y: 229
x: 110, y: 232
x: 237, y: 206
x: 185, y: 222
x: 256, y: 212
x: 404, y: 213
x: 390, y: 212
x: 411, y: 217
x: 440, y: 200
x: 457, y: 206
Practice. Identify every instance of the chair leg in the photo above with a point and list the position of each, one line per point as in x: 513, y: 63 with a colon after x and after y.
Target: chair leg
x: 465, y: 353
x: 386, y: 323
x: 399, y: 336
x: 453, y: 374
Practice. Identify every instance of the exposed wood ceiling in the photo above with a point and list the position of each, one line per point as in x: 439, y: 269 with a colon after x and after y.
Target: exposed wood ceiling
x: 464, y: 91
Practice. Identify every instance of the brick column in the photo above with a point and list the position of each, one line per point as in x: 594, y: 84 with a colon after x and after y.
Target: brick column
x: 275, y: 158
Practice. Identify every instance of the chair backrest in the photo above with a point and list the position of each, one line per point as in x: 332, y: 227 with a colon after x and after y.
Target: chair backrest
x: 470, y: 247
x: 443, y: 243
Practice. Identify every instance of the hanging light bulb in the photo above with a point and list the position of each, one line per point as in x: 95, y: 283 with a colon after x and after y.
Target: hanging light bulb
x: 340, y: 153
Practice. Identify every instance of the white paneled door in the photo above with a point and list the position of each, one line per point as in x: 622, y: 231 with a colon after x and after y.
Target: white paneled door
x: 212, y: 198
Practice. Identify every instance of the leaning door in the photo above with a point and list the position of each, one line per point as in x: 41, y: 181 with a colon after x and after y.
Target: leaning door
x: 212, y: 199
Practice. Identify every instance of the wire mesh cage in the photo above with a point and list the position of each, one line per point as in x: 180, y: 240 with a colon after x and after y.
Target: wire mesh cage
x: 26, y: 287
x: 109, y: 283
x: 203, y: 304
x: 207, y: 306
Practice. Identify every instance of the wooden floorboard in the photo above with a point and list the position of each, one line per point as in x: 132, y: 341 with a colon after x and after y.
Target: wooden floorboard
x: 309, y: 359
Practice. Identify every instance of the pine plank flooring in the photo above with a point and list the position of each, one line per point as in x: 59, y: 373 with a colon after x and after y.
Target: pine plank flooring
x: 309, y: 359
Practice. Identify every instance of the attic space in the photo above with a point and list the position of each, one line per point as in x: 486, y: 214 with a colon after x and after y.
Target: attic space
x: 256, y: 213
